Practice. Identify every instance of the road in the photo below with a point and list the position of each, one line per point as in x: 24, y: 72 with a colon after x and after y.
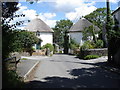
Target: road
x: 65, y: 71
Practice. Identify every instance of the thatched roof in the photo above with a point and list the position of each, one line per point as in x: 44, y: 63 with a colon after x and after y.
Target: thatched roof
x: 80, y: 25
x: 38, y: 25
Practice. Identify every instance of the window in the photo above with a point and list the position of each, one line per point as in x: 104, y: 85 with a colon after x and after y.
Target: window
x: 37, y: 33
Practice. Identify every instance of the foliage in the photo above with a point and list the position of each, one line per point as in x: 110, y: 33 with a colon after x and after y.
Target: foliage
x: 24, y: 59
x: 99, y: 44
x: 73, y: 44
x: 27, y: 39
x: 8, y: 13
x: 48, y: 45
x: 18, y: 41
x: 86, y: 45
x: 12, y: 80
x: 60, y: 51
x: 61, y: 27
x: 66, y: 43
x: 90, y: 32
x: 91, y: 57
x: 97, y: 17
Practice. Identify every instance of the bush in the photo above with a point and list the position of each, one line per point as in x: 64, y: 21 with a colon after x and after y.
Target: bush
x: 99, y: 44
x: 12, y: 80
x: 48, y: 45
x: 87, y: 45
x: 60, y: 51
x: 91, y: 57
x: 73, y: 44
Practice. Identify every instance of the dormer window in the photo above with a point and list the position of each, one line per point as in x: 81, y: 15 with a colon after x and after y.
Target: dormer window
x: 37, y: 33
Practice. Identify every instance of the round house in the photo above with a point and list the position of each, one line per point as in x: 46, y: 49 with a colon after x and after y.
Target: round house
x: 41, y: 30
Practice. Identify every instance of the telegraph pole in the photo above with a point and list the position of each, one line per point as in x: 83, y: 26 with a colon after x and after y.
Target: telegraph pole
x: 108, y: 29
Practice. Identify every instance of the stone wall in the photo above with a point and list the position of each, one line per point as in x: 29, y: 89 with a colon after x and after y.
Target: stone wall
x: 99, y: 51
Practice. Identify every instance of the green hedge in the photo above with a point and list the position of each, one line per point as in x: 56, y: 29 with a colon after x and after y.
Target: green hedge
x: 91, y: 57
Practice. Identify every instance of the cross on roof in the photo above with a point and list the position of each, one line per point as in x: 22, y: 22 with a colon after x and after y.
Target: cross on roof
x: 37, y: 16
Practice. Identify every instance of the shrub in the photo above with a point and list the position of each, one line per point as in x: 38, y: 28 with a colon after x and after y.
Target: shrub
x: 91, y: 57
x: 12, y: 80
x: 99, y: 44
x: 60, y: 51
x: 87, y: 45
x: 48, y: 45
x: 73, y: 44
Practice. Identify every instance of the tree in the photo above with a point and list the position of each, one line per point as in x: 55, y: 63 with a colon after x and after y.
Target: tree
x: 98, y: 18
x: 13, y: 40
x: 8, y: 10
x: 60, y: 31
x: 24, y: 40
x: 90, y: 31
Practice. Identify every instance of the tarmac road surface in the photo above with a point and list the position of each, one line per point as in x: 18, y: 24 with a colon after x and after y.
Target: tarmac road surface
x: 66, y: 71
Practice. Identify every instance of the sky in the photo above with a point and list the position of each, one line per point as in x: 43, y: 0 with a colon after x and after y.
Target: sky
x: 51, y: 11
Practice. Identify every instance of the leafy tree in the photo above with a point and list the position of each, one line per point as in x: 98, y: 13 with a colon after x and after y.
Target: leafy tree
x: 97, y: 17
x: 60, y: 31
x: 90, y: 31
x: 12, y: 41
x: 8, y: 10
x: 24, y: 40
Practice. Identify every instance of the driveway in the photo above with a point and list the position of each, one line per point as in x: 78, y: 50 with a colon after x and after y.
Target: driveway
x: 66, y: 71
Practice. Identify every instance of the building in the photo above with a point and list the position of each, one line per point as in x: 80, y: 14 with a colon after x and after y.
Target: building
x: 75, y: 31
x: 116, y: 14
x: 41, y: 30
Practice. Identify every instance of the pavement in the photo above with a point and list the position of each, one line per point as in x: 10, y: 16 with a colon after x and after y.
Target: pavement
x: 26, y: 68
x: 65, y: 71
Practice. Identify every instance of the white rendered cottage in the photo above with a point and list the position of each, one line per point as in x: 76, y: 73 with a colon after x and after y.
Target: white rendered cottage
x: 42, y: 31
x: 75, y: 32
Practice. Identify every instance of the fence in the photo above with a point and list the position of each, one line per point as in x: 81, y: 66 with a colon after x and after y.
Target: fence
x: 11, y: 63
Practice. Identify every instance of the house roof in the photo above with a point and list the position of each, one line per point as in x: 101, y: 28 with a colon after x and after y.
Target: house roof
x: 80, y: 25
x: 38, y: 25
x: 116, y: 10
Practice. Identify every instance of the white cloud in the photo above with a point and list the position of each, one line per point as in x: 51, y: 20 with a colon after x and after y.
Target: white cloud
x: 51, y: 23
x: 47, y: 18
x: 30, y: 14
x: 19, y: 4
x: 47, y: 15
x: 80, y: 11
x: 73, y: 9
x: 67, y: 5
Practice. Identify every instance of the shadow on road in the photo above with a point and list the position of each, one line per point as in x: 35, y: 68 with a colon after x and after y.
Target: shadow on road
x: 85, y: 78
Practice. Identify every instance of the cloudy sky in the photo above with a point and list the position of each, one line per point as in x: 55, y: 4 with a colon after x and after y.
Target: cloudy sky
x: 51, y: 11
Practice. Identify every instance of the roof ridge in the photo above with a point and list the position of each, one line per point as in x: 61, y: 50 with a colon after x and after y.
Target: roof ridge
x: 38, y: 25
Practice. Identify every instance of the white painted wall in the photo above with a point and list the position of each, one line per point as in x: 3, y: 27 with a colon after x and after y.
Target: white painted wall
x: 77, y: 36
x: 46, y: 38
